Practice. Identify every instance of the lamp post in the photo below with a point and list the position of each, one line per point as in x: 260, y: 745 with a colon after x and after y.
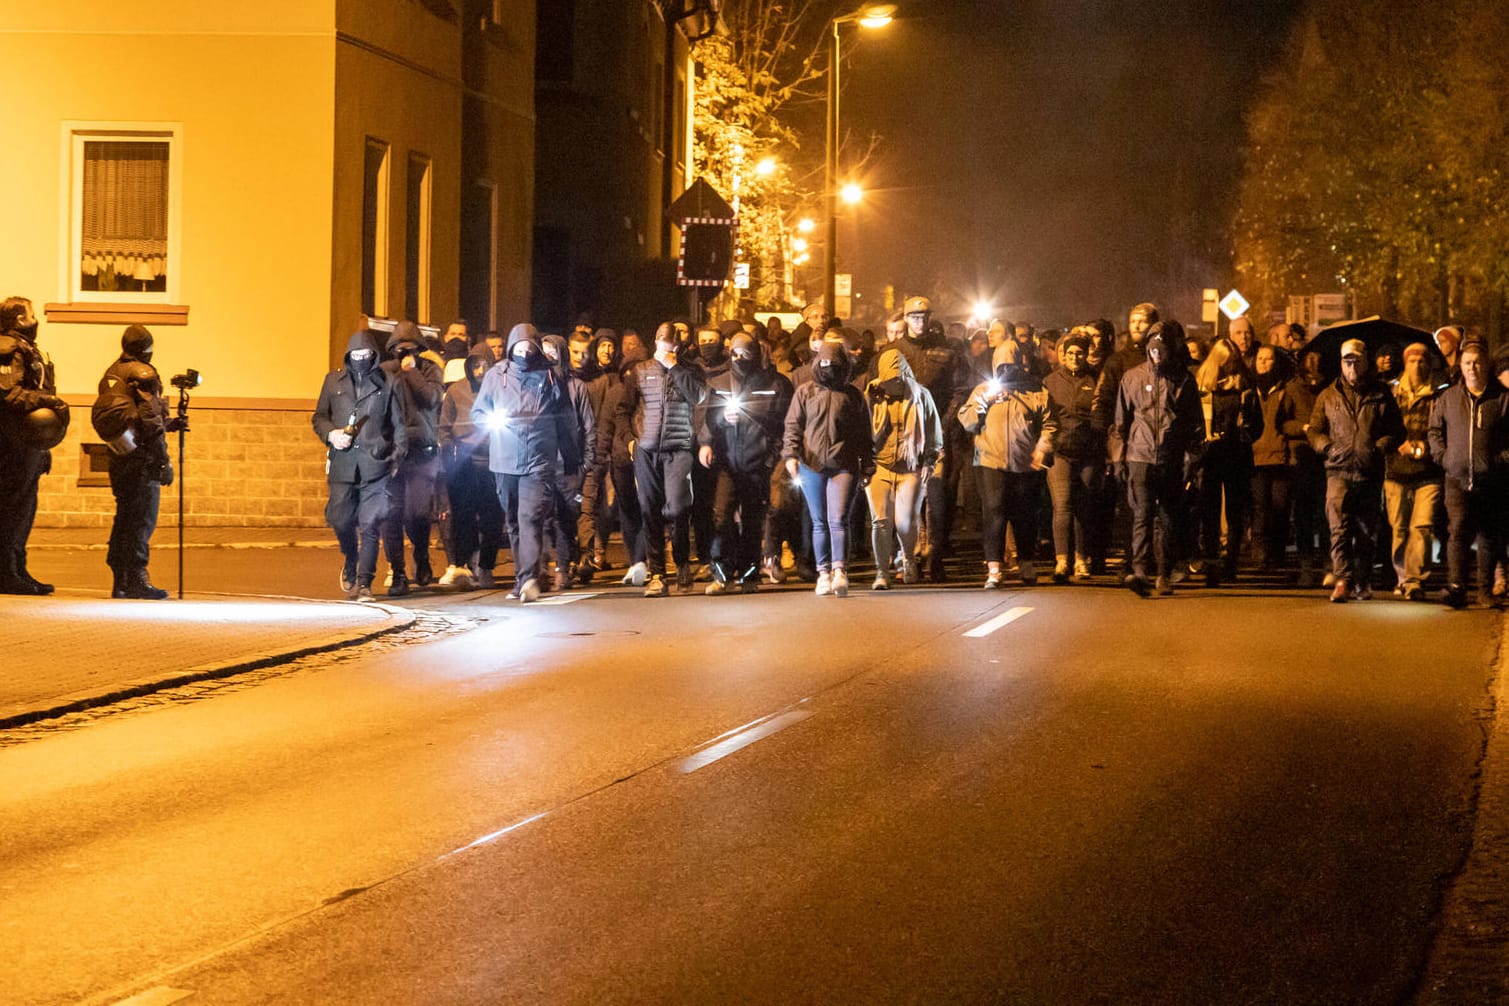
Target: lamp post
x: 870, y: 16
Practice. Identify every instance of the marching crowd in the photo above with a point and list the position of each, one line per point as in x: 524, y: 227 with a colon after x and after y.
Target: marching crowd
x: 736, y: 442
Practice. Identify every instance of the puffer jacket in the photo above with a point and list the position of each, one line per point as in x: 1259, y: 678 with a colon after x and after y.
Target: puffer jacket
x: 753, y: 442
x: 1415, y: 405
x: 1469, y: 435
x: 1158, y: 415
x: 528, y: 414
x: 1080, y: 436
x: 376, y: 405
x: 660, y: 404
x: 1010, y: 424
x: 1354, y: 429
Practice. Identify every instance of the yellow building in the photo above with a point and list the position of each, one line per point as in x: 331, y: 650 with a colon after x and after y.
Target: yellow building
x: 249, y: 181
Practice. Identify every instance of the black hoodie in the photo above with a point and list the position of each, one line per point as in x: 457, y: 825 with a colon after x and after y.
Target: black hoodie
x: 753, y: 442
x: 425, y: 383
x: 375, y: 405
x: 461, y: 438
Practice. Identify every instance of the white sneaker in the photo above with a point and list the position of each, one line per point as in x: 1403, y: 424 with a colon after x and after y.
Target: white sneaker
x: 1081, y: 568
x: 908, y: 570
x: 824, y: 583
x: 457, y: 578
x: 530, y: 591
x: 840, y: 582
x: 637, y: 575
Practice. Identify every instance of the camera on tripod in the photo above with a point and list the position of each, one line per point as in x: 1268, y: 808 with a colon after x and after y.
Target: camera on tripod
x: 186, y: 381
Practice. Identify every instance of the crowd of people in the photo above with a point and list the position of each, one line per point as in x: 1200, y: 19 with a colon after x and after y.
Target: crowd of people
x: 732, y: 444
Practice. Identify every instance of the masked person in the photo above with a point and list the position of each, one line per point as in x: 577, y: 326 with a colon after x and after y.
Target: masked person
x: 1469, y: 437
x: 33, y: 419
x: 713, y: 360
x: 578, y: 454
x: 660, y: 399
x: 906, y: 436
x: 476, y: 516
x: 1355, y: 424
x: 411, y: 490
x: 614, y: 437
x: 1158, y: 420
x: 362, y: 416
x: 739, y: 441
x: 1014, y: 424
x: 600, y: 371
x: 827, y: 446
x: 1074, y: 481
x: 131, y: 416
x: 1233, y: 420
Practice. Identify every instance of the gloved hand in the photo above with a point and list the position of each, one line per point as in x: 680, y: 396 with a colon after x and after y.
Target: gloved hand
x: 339, y: 439
x: 176, y: 424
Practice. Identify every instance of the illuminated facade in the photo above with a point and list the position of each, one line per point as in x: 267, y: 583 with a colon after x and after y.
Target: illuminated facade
x: 249, y: 181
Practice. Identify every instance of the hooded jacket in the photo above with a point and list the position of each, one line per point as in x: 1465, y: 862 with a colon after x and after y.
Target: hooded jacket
x: 608, y: 378
x: 827, y: 426
x: 906, y: 433
x: 580, y: 453
x: 528, y: 414
x: 936, y: 365
x: 1011, y: 418
x: 375, y: 405
x: 425, y: 384
x: 1158, y: 415
x: 659, y: 404
x: 1469, y: 435
x: 1354, y: 429
x: 1232, y: 414
x: 752, y: 443
x: 462, y: 440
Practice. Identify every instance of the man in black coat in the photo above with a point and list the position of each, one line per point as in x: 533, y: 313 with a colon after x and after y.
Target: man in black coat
x: 363, y: 415
x: 27, y: 389
x: 411, y: 489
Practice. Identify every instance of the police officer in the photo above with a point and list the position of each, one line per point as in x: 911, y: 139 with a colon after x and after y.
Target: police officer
x: 32, y: 420
x: 363, y: 416
x: 131, y: 416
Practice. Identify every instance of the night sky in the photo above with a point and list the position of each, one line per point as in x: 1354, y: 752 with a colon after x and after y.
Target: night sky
x: 1067, y: 158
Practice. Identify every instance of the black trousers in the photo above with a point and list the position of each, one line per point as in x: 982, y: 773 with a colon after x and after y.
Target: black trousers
x: 740, y: 504
x: 1075, y: 487
x: 566, y: 509
x: 133, y: 481
x: 355, y: 513
x: 524, y: 500
x: 704, y: 523
x: 1476, y: 517
x: 21, y: 469
x: 411, y: 500
x: 664, y: 481
x: 1225, y: 477
x: 1009, y: 498
x: 476, y: 516
x: 1156, y: 497
x: 1271, y: 485
x: 630, y: 520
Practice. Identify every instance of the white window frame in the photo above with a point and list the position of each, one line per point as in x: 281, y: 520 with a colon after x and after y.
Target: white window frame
x: 75, y: 135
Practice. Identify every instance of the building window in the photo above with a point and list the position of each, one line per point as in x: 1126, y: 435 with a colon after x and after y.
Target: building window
x: 479, y: 238
x: 678, y: 126
x: 555, y: 41
x: 416, y: 280
x: 375, y: 230
x: 124, y: 213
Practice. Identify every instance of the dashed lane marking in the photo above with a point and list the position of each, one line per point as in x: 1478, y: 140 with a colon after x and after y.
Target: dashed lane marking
x: 740, y: 739
x: 561, y: 599
x: 162, y: 995
x: 1004, y: 618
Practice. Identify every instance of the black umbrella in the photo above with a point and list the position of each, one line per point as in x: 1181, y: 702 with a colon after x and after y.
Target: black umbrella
x: 1375, y: 332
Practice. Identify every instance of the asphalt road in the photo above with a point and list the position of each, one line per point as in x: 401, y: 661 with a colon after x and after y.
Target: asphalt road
x: 1224, y: 796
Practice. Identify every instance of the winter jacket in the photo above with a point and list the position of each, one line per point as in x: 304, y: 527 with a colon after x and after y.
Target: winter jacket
x: 906, y: 432
x: 1469, y: 435
x: 1073, y: 396
x: 753, y: 442
x: 1010, y: 424
x: 828, y: 429
x: 579, y: 453
x: 527, y: 412
x: 1304, y: 394
x: 462, y: 440
x: 426, y: 387
x: 1273, y: 445
x: 660, y: 404
x: 1158, y: 415
x: 26, y: 384
x: 1353, y: 429
x: 1107, y: 391
x: 1415, y: 406
x: 375, y: 405
x: 937, y: 366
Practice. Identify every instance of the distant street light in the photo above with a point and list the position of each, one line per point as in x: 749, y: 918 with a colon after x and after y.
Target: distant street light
x: 766, y: 167
x: 799, y: 244
x: 806, y: 225
x: 869, y: 16
x: 852, y: 194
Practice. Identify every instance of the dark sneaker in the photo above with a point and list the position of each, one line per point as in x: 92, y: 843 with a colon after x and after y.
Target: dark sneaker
x: 1137, y: 585
x: 364, y: 593
x: 1455, y: 596
x: 348, y: 577
x: 423, y: 575
x: 400, y: 585
x: 684, y: 579
x: 1164, y: 586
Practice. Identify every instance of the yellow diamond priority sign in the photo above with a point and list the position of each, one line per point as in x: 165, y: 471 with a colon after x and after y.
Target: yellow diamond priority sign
x: 1234, y: 305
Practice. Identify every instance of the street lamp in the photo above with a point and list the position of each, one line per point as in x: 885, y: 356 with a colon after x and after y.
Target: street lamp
x: 852, y: 194
x: 869, y: 16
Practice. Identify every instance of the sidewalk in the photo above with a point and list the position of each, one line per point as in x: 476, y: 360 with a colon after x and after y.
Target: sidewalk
x: 75, y: 650
x: 51, y: 538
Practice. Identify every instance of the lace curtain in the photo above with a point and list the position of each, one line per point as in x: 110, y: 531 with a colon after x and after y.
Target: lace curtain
x: 125, y: 209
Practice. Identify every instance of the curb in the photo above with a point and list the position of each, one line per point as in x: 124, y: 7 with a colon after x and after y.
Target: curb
x: 398, y: 619
x: 188, y: 546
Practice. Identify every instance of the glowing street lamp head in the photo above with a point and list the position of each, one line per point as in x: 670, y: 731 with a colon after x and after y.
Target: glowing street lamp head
x: 852, y: 193
x: 765, y: 167
x: 982, y: 310
x: 877, y: 15
x: 800, y: 244
x: 806, y: 225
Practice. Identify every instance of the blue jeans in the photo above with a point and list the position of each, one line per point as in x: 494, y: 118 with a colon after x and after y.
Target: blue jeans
x: 828, y: 495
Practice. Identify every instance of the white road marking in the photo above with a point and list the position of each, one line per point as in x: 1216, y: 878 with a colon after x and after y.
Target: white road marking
x: 561, y: 599
x: 742, y: 739
x: 1004, y: 618
x: 160, y: 996
x: 495, y: 835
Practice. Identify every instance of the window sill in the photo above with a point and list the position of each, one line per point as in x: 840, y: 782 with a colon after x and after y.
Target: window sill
x: 117, y: 314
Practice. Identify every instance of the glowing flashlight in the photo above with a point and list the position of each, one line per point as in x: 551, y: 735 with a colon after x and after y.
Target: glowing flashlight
x: 992, y: 388
x: 497, y: 421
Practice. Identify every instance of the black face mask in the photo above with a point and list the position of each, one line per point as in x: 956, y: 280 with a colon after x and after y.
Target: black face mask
x: 829, y: 375
x: 711, y: 353
x: 744, y: 366
x: 360, y: 365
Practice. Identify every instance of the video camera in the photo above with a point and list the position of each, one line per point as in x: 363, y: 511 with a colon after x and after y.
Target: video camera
x: 187, y: 381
